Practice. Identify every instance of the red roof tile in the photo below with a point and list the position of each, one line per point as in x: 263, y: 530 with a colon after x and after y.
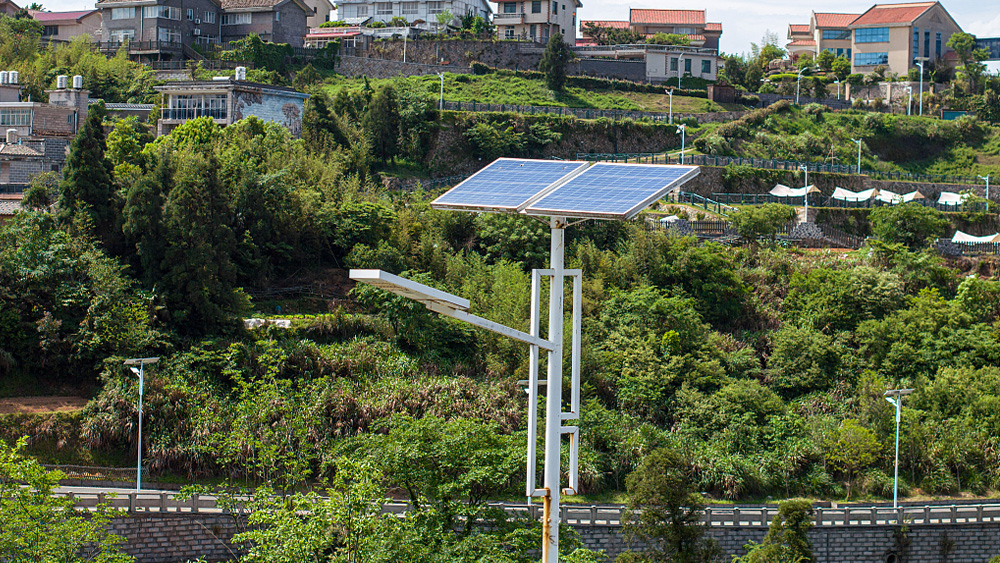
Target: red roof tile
x: 798, y: 28
x: 585, y: 42
x: 713, y: 26
x: 881, y: 14
x: 802, y: 43
x: 834, y: 20
x: 59, y: 16
x: 617, y: 24
x: 18, y: 150
x: 669, y: 17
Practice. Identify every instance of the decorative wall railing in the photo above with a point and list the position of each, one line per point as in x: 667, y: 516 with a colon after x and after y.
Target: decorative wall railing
x: 827, y: 201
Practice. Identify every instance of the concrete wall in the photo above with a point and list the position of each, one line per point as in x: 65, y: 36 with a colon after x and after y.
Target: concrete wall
x: 286, y: 110
x: 501, y: 54
x: 380, y: 68
x: 606, y: 68
x: 177, y: 537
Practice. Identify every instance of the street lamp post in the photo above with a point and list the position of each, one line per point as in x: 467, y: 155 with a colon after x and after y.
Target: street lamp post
x: 806, y: 186
x: 909, y: 103
x: 670, y: 92
x: 441, y: 104
x: 131, y: 363
x: 680, y: 68
x: 837, y: 82
x: 681, y: 129
x: 858, y: 141
x: 921, y: 65
x: 798, y: 82
x: 895, y: 397
x: 987, y: 178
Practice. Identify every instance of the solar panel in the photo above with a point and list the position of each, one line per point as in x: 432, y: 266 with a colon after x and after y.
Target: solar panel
x: 611, y: 191
x: 507, y: 184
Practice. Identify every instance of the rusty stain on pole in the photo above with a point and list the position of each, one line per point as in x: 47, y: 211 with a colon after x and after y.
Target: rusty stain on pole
x: 546, y: 524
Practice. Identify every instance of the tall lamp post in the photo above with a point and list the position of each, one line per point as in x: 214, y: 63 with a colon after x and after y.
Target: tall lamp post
x: 987, y: 178
x: 895, y: 397
x: 909, y: 103
x: 681, y: 129
x: 921, y: 65
x: 131, y: 363
x: 837, y: 82
x: 680, y: 68
x: 798, y: 81
x: 806, y: 186
x: 858, y: 141
x: 441, y: 104
x: 670, y: 92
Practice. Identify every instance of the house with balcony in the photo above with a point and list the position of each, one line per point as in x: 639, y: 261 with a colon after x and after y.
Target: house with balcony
x: 897, y: 36
x: 421, y: 13
x: 825, y: 31
x: 160, y: 30
x: 537, y: 20
x: 691, y: 23
x: 63, y: 26
x: 276, y: 21
x: 228, y: 101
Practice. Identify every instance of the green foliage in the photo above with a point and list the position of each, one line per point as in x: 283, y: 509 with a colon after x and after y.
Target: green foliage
x: 838, y: 300
x: 665, y: 513
x: 762, y: 221
x: 911, y: 224
x: 37, y: 526
x: 554, y: 60
x: 263, y: 55
x: 806, y: 360
x: 851, y: 449
x: 87, y: 200
x: 787, y: 539
x: 668, y: 39
x: 382, y: 123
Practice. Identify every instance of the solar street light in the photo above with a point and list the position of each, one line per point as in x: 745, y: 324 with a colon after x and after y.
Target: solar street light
x: 682, y: 129
x: 670, y: 92
x: 798, y: 81
x: 909, y: 103
x: 441, y: 104
x: 987, y: 178
x: 895, y: 397
x: 131, y: 363
x: 921, y: 65
x: 560, y: 191
x: 858, y: 141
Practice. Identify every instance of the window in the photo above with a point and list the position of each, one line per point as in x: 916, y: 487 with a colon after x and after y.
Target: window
x: 435, y: 7
x: 122, y: 35
x: 197, y: 105
x: 190, y: 14
x: 673, y: 64
x: 510, y: 7
x: 927, y: 44
x: 208, y: 17
x: 15, y: 117
x: 871, y: 59
x: 50, y: 30
x: 277, y: 16
x: 362, y: 11
x: 168, y: 35
x: 508, y: 32
x: 532, y: 30
x: 236, y: 19
x: 536, y: 7
x: 937, y: 46
x: 555, y: 8
x: 168, y: 12
x: 686, y: 30
x: 706, y: 67
x: 916, y: 42
x: 408, y: 8
x: 122, y: 13
x: 836, y: 34
x: 871, y: 35
x: 687, y: 66
x: 383, y: 8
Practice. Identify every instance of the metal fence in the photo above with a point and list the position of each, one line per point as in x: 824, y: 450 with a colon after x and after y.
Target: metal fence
x: 827, y: 201
x: 601, y: 515
x: 979, y: 248
x: 432, y: 183
x: 586, y: 113
x: 86, y: 473
x: 776, y: 164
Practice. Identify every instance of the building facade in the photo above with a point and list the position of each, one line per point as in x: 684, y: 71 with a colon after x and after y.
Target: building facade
x: 416, y: 12
x: 276, y: 21
x: 537, y: 20
x: 160, y: 30
x: 321, y: 12
x: 228, y: 101
x: 664, y: 63
x: 63, y: 26
x: 691, y: 23
x: 897, y: 36
x: 8, y: 8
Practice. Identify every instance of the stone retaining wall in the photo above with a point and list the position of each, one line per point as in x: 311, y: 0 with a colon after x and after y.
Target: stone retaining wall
x: 383, y: 68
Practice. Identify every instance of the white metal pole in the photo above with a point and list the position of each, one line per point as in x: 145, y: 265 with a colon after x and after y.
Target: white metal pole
x: 858, y: 141
x: 441, y: 107
x: 404, y: 44
x: 553, y: 399
x: 921, y: 65
x: 680, y: 69
x: 806, y: 185
x: 138, y: 472
x: 909, y: 103
x: 671, y: 116
x: 895, y: 481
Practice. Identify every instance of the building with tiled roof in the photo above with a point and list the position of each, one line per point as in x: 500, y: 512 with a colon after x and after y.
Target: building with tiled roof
x: 825, y: 32
x: 537, y: 20
x: 648, y: 22
x: 9, y: 205
x: 63, y: 26
x: 897, y: 36
x: 8, y: 8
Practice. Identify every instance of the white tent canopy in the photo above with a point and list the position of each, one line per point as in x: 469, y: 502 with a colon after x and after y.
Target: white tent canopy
x: 784, y: 191
x: 965, y: 238
x: 848, y: 195
x: 894, y: 198
x: 951, y: 198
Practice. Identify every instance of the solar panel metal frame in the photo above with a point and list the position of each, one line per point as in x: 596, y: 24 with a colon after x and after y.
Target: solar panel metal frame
x: 632, y: 212
x: 544, y: 190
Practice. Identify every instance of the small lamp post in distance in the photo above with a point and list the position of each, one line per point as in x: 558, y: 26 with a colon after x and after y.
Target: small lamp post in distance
x: 131, y: 363
x: 895, y: 398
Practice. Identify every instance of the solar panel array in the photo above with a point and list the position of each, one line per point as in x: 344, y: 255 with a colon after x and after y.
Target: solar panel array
x: 506, y: 185
x: 565, y: 188
x: 612, y: 191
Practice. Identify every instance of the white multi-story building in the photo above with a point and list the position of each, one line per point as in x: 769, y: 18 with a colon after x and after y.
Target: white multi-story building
x: 415, y: 12
x: 537, y: 20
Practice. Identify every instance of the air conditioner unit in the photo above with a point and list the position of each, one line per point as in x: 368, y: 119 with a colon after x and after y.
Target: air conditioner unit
x: 197, y: 22
x: 197, y: 31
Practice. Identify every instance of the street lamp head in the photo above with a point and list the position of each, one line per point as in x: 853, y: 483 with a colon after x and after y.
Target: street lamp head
x: 681, y: 128
x: 898, y: 392
x: 141, y: 361
x: 134, y: 369
x: 986, y: 177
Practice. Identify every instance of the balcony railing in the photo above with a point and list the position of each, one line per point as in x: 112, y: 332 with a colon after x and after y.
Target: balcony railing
x: 184, y: 114
x: 508, y: 19
x: 140, y: 46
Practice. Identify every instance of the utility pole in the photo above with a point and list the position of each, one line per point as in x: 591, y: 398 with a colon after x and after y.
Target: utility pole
x: 895, y: 397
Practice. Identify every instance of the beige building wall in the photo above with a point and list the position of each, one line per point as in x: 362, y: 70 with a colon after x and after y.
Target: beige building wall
x: 320, y: 12
x: 659, y: 66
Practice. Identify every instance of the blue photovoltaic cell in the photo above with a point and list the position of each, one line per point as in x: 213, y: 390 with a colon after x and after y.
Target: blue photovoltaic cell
x: 506, y: 184
x: 612, y: 190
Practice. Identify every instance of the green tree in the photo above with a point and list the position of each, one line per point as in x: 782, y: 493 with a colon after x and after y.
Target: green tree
x: 911, y: 224
x: 382, y: 123
x: 762, y: 221
x: 665, y: 513
x: 964, y: 45
x: 125, y: 143
x: 805, y: 360
x: 825, y: 60
x: 851, y: 449
x: 841, y: 67
x: 38, y: 527
x: 321, y: 130
x: 87, y: 202
x: 554, y: 62
x: 669, y: 39
x: 787, y: 539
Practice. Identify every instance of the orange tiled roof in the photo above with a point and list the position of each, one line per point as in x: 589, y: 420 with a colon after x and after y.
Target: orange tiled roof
x: 834, y: 20
x: 798, y: 28
x: 892, y: 13
x: 669, y: 17
x: 713, y: 26
x: 802, y: 43
x: 617, y: 24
